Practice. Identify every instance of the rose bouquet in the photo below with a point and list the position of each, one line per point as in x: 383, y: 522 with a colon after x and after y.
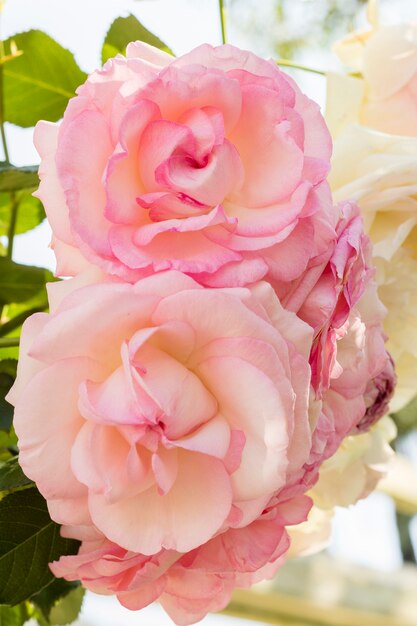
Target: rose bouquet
x: 215, y: 359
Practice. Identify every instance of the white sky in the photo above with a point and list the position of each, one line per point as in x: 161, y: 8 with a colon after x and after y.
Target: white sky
x: 364, y: 533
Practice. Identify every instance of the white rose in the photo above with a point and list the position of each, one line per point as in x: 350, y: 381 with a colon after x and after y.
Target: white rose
x: 383, y: 95
x: 380, y: 172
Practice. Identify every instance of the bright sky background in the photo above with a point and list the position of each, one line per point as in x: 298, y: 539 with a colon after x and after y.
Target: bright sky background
x: 363, y: 534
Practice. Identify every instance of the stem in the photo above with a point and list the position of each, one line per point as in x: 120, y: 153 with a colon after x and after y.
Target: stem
x: 406, y: 544
x: 297, y: 66
x: 3, y: 134
x: 9, y: 342
x: 13, y: 199
x: 222, y: 11
x: 12, y: 225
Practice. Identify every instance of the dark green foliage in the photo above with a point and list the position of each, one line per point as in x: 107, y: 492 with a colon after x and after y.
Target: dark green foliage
x: 29, y: 540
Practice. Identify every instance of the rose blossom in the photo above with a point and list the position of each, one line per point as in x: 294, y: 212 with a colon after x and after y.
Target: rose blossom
x: 362, y: 378
x: 351, y: 474
x: 384, y: 97
x: 167, y: 425
x: 213, y: 164
x: 313, y: 535
x: 352, y: 373
x: 351, y: 370
x: 188, y: 585
x: 380, y: 172
x: 356, y: 468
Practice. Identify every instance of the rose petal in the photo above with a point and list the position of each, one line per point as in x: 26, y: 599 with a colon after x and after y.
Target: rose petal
x: 183, y: 522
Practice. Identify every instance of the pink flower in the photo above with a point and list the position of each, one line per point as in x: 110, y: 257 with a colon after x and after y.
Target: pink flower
x: 378, y: 394
x: 188, y: 585
x: 167, y: 425
x: 213, y: 164
x: 351, y: 370
x: 361, y: 363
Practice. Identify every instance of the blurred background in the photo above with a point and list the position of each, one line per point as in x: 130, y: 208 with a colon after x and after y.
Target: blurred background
x: 368, y: 575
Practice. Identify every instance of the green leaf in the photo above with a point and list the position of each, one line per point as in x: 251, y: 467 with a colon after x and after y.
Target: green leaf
x: 9, y: 367
x: 7, y: 376
x: 13, y: 616
x: 123, y: 31
x: 9, y: 346
x: 53, y: 597
x: 58, y: 604
x: 30, y: 212
x: 12, y: 476
x: 39, y: 83
x: 38, y: 618
x: 8, y: 444
x: 67, y: 610
x: 8, y: 439
x: 15, y: 313
x: 19, y: 283
x: 17, y: 321
x: 29, y: 540
x: 14, y: 178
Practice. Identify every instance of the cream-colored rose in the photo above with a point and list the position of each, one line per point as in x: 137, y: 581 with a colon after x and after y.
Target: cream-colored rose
x: 356, y: 468
x: 313, y: 535
x: 382, y: 94
x: 379, y: 171
x: 348, y: 476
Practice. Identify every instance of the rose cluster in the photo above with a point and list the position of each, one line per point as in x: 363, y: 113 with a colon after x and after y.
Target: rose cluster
x: 221, y: 334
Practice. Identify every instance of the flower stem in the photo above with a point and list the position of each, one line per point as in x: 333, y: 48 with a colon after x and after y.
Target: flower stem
x: 297, y: 66
x: 222, y: 11
x: 9, y: 342
x: 12, y: 224
x: 3, y: 134
x: 13, y: 198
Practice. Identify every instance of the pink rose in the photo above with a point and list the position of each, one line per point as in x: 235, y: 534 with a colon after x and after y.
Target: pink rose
x: 178, y: 434
x: 361, y: 372
x: 351, y: 370
x: 378, y: 393
x: 213, y: 164
x: 188, y: 585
